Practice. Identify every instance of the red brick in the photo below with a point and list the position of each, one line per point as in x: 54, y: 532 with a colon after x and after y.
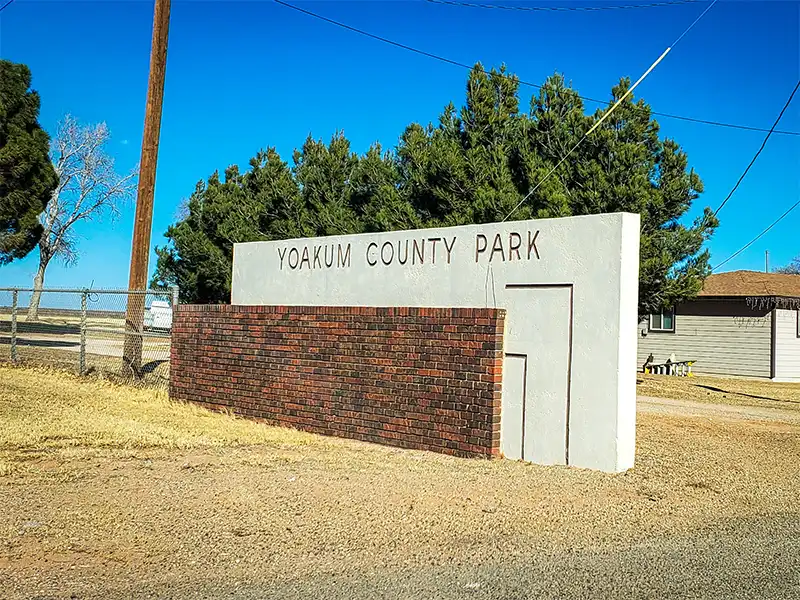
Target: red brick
x: 425, y: 378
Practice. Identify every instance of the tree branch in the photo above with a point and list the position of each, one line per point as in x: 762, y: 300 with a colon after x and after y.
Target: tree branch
x: 88, y: 186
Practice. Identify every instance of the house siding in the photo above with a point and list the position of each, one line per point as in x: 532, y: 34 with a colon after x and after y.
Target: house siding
x: 787, y: 345
x: 724, y: 337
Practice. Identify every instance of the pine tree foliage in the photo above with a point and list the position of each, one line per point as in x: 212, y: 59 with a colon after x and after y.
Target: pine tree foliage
x: 27, y: 178
x: 474, y: 165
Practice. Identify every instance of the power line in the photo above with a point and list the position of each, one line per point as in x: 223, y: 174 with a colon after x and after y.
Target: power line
x: 717, y: 123
x: 520, y: 81
x: 764, y: 143
x: 2, y: 8
x: 379, y: 38
x: 561, y: 8
x: 758, y: 237
x: 689, y: 28
x: 609, y: 111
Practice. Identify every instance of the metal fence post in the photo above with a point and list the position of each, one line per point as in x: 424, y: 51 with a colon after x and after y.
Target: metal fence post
x: 14, y: 297
x: 82, y: 365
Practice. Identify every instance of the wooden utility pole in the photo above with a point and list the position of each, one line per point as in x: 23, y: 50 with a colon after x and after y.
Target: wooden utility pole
x: 142, y: 226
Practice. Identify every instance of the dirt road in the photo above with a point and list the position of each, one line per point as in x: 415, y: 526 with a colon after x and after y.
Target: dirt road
x: 156, y: 347
x: 711, y: 510
x: 746, y: 559
x: 688, y: 408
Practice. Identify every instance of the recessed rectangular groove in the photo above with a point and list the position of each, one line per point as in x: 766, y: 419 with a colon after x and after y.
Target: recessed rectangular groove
x: 550, y: 286
x: 524, y: 358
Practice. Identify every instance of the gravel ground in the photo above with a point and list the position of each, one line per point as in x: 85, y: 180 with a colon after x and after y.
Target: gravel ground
x: 711, y: 510
x: 751, y: 559
x: 108, y: 492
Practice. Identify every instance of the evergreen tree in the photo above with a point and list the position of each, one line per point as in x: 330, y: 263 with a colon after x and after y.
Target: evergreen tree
x: 626, y: 167
x: 27, y: 178
x: 377, y: 195
x: 324, y: 175
x: 476, y: 165
x: 329, y: 191
x: 460, y: 171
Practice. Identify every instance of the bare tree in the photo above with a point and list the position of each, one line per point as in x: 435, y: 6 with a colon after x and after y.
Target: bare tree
x: 793, y: 268
x: 88, y: 188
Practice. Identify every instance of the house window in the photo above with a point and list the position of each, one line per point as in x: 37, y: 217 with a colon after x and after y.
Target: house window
x: 663, y: 321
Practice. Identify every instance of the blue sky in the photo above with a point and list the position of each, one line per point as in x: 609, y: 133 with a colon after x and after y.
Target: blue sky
x: 246, y: 75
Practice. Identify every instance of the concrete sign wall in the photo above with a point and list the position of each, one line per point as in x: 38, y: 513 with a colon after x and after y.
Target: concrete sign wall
x: 570, y: 289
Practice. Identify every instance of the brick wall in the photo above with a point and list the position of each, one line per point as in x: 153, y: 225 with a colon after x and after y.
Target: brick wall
x: 426, y: 378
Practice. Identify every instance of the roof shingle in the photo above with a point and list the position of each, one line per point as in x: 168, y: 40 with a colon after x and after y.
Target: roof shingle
x: 751, y: 283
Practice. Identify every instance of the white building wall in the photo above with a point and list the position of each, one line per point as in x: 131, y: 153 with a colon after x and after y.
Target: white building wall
x: 569, y: 287
x: 787, y: 345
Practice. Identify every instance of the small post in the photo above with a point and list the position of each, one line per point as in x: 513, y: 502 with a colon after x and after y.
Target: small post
x: 174, y: 298
x: 82, y: 365
x: 14, y: 299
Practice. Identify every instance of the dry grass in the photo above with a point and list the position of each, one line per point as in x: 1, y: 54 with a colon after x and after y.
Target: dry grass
x: 72, y: 318
x: 97, y: 364
x: 45, y: 409
x: 114, y: 484
x: 723, y: 390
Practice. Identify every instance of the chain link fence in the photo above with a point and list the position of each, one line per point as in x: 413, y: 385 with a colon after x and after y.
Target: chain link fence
x: 120, y: 334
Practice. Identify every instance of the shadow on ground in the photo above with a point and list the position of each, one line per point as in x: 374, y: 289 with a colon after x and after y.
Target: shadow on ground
x: 716, y: 389
x: 42, y: 343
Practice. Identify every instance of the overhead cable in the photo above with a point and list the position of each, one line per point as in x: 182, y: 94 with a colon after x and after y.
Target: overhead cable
x: 764, y: 143
x: 561, y: 8
x: 520, y: 81
x: 609, y: 111
x: 758, y: 237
